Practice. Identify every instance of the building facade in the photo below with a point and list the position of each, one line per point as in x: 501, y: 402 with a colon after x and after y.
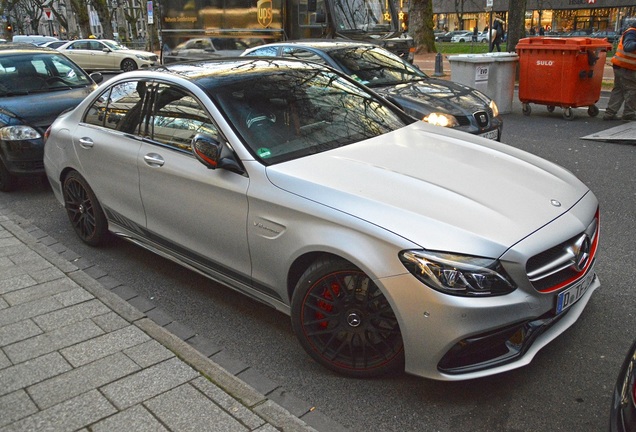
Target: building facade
x: 560, y: 16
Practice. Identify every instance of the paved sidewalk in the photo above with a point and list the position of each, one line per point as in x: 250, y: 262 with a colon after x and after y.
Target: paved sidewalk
x: 76, y: 356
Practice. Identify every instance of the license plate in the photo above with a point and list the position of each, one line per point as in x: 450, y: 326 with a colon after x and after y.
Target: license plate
x: 493, y: 134
x: 571, y: 295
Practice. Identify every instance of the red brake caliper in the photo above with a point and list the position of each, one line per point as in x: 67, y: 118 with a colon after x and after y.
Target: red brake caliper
x: 325, y: 305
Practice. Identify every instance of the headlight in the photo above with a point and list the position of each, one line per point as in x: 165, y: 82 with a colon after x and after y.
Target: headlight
x: 494, y: 108
x: 441, y: 119
x: 142, y: 57
x: 460, y: 275
x: 18, y: 133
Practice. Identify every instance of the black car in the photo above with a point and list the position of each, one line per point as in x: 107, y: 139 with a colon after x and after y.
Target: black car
x: 623, y: 410
x: 36, y: 85
x: 435, y: 101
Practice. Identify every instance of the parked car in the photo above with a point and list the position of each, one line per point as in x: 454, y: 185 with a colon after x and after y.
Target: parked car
x: 106, y: 54
x: 33, y: 39
x: 391, y: 243
x: 436, y: 101
x: 623, y: 409
x: 209, y: 48
x: 610, y: 35
x: 466, y: 36
x: 53, y: 44
x: 36, y: 84
x: 578, y: 33
x: 448, y: 36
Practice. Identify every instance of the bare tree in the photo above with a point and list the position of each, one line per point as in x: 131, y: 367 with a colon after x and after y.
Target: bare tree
x: 459, y: 10
x: 104, y: 11
x: 421, y: 25
x: 81, y: 15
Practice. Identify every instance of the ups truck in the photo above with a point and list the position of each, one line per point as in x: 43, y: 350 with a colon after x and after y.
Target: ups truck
x: 196, y: 29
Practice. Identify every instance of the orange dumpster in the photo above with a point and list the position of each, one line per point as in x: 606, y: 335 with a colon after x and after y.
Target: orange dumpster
x: 563, y: 72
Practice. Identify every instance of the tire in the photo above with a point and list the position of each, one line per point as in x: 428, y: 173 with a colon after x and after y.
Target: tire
x: 8, y: 181
x: 83, y: 210
x: 128, y: 65
x: 568, y: 114
x: 593, y: 110
x: 525, y: 108
x: 550, y: 108
x: 344, y: 322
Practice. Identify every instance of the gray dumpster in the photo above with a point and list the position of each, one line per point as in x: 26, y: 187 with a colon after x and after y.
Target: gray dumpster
x: 492, y: 73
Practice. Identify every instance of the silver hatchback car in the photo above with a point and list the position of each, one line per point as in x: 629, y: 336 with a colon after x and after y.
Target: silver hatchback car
x: 391, y: 243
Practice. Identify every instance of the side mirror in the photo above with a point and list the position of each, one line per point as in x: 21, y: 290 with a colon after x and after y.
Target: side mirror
x: 97, y: 77
x: 207, y: 150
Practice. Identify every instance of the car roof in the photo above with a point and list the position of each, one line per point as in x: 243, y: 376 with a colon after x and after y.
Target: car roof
x: 23, y: 48
x: 225, y: 69
x: 320, y: 44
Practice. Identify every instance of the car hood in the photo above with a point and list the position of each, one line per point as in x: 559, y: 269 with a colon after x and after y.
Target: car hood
x: 451, y: 192
x: 41, y: 109
x: 434, y: 95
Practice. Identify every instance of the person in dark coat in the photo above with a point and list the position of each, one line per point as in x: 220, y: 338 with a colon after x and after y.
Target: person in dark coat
x: 498, y: 29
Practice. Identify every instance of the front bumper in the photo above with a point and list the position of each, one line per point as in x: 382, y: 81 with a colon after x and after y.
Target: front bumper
x: 23, y: 158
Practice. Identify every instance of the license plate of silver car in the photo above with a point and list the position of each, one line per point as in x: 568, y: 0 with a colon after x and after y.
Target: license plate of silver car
x: 571, y: 295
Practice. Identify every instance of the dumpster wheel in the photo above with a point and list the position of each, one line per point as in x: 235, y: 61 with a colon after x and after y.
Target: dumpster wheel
x: 550, y: 108
x: 593, y: 110
x: 568, y: 114
x: 525, y: 108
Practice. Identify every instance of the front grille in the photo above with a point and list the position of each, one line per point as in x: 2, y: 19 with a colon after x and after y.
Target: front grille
x: 565, y: 262
x: 482, y: 118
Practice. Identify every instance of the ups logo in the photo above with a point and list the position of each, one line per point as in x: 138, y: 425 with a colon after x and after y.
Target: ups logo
x: 264, y: 11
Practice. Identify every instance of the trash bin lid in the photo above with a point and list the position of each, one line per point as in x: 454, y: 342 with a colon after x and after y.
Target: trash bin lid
x: 565, y: 44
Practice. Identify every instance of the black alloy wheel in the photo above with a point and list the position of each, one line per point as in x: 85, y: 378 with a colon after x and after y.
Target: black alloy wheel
x: 128, y: 65
x: 83, y: 210
x: 344, y: 322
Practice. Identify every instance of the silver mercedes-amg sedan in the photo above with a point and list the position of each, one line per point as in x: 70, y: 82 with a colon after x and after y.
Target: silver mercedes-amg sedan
x: 390, y: 242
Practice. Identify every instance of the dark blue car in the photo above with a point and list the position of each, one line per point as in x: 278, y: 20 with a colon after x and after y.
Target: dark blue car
x: 36, y: 85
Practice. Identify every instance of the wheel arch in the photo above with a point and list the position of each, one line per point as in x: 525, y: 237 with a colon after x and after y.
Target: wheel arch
x: 302, y: 263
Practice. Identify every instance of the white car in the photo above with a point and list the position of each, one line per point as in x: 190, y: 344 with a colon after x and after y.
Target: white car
x: 466, y: 36
x: 105, y: 54
x: 391, y: 243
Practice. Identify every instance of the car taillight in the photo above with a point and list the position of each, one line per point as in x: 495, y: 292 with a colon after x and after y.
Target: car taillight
x: 47, y: 133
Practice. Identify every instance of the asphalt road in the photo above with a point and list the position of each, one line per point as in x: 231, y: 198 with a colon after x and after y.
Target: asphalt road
x: 567, y: 387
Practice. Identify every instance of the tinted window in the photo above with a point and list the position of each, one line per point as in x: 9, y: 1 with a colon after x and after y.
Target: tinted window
x: 290, y: 113
x: 178, y: 117
x: 265, y: 51
x: 39, y: 72
x: 119, y: 108
x: 302, y: 54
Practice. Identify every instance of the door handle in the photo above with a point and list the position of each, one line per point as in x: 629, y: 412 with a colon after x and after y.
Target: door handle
x: 153, y: 159
x: 86, y: 142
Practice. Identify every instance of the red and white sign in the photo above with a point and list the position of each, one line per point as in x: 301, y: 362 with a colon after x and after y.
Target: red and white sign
x: 48, y: 14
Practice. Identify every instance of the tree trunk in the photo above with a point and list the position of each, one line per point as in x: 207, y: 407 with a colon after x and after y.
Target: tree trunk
x: 516, y: 23
x: 81, y: 15
x: 421, y: 25
x: 105, y: 15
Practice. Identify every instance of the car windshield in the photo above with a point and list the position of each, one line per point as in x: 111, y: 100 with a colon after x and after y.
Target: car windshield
x: 39, y: 73
x: 374, y: 66
x: 366, y: 16
x: 115, y: 46
x: 284, y: 113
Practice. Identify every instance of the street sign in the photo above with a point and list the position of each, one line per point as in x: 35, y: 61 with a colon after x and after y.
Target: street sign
x: 48, y: 14
x: 151, y: 17
x: 489, y: 3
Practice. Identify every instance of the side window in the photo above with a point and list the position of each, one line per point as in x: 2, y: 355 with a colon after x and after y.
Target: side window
x: 265, y: 51
x: 302, y: 54
x: 178, y: 117
x: 120, y: 108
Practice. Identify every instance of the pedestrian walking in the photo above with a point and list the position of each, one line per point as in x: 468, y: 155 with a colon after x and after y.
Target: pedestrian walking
x: 496, y: 34
x: 624, y: 65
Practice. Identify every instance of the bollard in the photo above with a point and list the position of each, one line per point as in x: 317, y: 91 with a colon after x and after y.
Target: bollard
x: 439, y: 65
